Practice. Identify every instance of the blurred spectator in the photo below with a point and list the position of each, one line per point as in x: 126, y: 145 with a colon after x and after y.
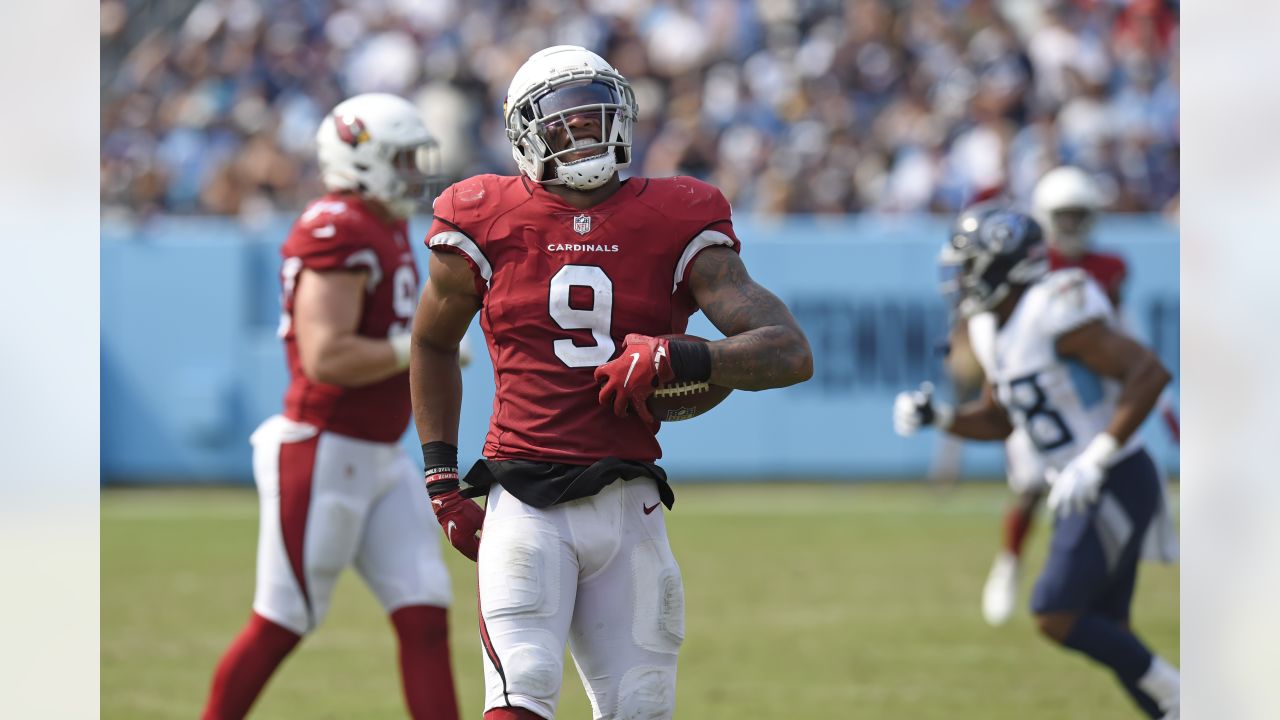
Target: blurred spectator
x: 825, y: 106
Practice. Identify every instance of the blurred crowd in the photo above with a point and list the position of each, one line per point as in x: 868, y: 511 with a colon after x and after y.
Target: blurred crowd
x: 789, y: 106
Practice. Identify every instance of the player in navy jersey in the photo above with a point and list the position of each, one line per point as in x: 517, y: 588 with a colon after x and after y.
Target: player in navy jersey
x: 335, y: 487
x: 577, y: 274
x: 1061, y: 370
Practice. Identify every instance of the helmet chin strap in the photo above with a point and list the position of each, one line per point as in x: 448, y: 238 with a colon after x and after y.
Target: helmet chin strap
x: 587, y: 173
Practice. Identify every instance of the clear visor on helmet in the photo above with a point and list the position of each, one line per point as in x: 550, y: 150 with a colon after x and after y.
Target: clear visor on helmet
x: 577, y: 116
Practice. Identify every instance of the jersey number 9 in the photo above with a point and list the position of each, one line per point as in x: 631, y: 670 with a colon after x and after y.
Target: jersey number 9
x: 597, y: 319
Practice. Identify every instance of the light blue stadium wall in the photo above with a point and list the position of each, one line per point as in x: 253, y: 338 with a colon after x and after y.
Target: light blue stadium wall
x: 190, y: 361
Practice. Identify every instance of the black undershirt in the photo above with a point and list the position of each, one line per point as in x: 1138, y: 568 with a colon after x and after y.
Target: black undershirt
x: 542, y: 484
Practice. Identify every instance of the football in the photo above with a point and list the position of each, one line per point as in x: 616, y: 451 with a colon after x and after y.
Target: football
x: 677, y: 401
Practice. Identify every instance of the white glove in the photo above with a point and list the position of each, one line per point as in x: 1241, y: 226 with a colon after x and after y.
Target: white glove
x: 911, y: 410
x: 402, y: 346
x: 1076, y: 486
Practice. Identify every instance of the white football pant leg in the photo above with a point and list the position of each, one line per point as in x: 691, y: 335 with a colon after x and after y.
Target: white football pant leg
x: 527, y: 575
x: 1023, y: 464
x: 399, y: 555
x: 628, y: 623
x: 313, y: 493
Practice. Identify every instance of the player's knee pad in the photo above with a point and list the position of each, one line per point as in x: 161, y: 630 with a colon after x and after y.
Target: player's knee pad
x: 647, y: 693
x: 519, y: 568
x: 658, y: 592
x: 293, y: 618
x: 533, y: 671
x: 281, y: 600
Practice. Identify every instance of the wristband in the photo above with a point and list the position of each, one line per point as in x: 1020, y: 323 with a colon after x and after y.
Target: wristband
x: 1100, y: 449
x: 690, y: 360
x: 402, y: 346
x: 440, y: 461
x: 943, y: 416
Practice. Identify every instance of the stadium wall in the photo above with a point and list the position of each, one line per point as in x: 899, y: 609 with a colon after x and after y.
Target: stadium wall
x: 191, y: 364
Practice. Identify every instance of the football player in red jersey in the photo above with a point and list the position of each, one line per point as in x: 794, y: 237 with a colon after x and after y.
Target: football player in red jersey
x: 1065, y: 202
x: 334, y: 485
x: 577, y: 275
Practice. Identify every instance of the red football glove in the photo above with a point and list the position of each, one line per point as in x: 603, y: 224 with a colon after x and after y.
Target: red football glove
x: 460, y: 518
x: 630, y: 378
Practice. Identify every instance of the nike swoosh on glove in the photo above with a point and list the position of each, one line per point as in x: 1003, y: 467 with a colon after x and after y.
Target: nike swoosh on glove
x: 631, y: 378
x: 460, y: 518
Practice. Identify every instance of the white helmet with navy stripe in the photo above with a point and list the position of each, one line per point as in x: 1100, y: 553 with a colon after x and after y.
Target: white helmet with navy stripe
x: 550, y: 89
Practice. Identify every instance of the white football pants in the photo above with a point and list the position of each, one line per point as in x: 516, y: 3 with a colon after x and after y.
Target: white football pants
x: 1024, y: 464
x: 597, y: 573
x: 327, y: 501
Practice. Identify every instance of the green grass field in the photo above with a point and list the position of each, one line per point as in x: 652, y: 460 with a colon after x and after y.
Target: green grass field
x: 806, y: 601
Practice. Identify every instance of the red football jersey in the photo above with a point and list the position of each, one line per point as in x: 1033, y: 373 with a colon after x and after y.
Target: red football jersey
x: 1108, y: 270
x: 339, y: 233
x: 562, y: 287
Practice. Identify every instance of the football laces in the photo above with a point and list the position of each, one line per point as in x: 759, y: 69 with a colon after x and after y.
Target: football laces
x: 688, y: 387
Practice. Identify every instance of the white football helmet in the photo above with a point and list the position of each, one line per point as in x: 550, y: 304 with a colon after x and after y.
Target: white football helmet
x: 555, y: 86
x: 377, y: 145
x: 1065, y: 202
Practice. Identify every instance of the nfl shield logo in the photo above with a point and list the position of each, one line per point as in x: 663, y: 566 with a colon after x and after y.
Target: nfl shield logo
x: 582, y: 224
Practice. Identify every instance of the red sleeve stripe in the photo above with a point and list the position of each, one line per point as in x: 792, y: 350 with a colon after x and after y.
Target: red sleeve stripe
x: 468, y: 247
x: 700, y: 242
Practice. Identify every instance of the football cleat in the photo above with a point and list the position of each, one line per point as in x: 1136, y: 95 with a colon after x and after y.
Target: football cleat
x: 1000, y: 594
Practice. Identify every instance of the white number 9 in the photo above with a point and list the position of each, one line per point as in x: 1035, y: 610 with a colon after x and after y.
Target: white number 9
x: 597, y: 319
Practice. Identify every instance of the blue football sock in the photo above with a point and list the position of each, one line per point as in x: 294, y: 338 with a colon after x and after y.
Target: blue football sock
x: 1109, y: 643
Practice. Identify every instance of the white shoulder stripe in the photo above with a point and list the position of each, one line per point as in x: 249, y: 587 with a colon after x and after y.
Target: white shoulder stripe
x: 703, y: 240
x: 367, y: 258
x: 456, y: 239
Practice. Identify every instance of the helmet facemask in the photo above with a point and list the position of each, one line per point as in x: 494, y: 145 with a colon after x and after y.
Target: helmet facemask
x: 574, y: 129
x: 417, y: 177
x: 978, y: 270
x: 1070, y: 228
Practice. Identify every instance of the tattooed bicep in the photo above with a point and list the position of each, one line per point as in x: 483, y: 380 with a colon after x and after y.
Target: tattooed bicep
x: 727, y: 295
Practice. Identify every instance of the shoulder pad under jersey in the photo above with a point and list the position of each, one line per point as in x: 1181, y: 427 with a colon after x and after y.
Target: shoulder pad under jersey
x: 477, y: 200
x: 1067, y: 299
x: 686, y: 198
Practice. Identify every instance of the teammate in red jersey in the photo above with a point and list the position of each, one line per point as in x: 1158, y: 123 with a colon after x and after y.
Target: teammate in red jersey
x: 576, y: 275
x: 1065, y: 202
x: 1066, y: 205
x: 334, y: 486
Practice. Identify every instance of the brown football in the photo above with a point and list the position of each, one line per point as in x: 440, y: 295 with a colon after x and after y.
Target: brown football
x: 684, y: 400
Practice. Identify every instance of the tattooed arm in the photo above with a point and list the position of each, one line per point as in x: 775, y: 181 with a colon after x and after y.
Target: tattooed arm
x: 763, y: 346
